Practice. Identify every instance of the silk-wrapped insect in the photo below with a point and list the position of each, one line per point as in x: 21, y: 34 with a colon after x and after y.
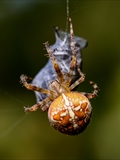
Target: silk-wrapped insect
x: 63, y: 54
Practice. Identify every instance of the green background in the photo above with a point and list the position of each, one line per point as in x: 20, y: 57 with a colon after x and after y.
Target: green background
x: 24, y: 27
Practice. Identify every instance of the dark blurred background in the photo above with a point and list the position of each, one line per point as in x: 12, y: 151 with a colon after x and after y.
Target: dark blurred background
x: 24, y: 27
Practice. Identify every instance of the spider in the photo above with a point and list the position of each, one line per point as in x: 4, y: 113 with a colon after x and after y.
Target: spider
x: 68, y: 111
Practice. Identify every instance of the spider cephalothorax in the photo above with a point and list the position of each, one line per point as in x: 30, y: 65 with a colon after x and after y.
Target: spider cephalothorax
x: 68, y: 111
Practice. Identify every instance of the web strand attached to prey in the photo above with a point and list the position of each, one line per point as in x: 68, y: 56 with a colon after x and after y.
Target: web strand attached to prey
x: 67, y: 9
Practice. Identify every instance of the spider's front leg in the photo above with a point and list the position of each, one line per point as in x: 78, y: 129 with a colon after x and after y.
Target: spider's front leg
x: 73, y: 50
x: 94, y: 94
x: 55, y: 63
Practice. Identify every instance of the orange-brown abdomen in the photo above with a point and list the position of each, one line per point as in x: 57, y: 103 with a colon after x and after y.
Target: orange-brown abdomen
x: 70, y: 113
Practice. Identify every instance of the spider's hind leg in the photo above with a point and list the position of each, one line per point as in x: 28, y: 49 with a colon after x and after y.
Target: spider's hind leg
x: 94, y: 94
x: 42, y: 104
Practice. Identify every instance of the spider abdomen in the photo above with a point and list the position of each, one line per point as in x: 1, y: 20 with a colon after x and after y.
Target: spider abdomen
x: 70, y: 113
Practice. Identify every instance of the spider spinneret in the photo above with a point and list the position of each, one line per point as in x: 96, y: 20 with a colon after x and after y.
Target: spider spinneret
x: 68, y: 111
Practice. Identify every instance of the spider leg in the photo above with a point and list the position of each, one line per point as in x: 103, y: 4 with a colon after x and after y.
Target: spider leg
x: 38, y: 105
x: 94, y: 94
x: 74, y: 60
x: 55, y: 64
x: 23, y: 80
x: 46, y: 106
x: 80, y: 80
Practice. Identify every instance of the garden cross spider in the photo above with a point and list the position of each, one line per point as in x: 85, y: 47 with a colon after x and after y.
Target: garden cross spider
x: 68, y: 111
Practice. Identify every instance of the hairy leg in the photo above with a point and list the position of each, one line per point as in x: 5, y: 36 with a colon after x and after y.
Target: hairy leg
x: 80, y: 80
x: 74, y: 60
x: 23, y: 80
x: 40, y: 104
x: 55, y: 64
x: 94, y: 94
